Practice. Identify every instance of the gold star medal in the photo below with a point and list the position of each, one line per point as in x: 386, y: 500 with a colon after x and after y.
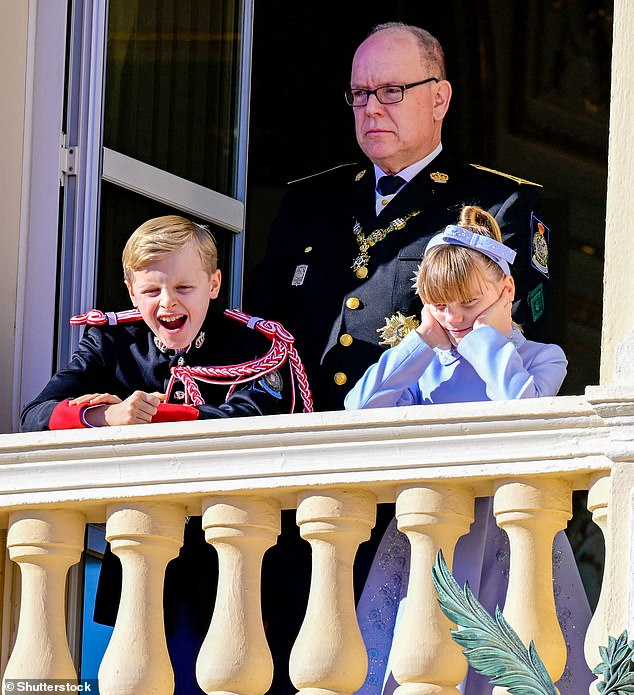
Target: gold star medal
x: 396, y: 328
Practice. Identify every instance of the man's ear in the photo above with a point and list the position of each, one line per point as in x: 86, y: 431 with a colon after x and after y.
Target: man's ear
x: 215, y: 280
x: 131, y: 293
x: 442, y: 97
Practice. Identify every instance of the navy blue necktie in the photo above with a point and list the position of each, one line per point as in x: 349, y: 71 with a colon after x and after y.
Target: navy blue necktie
x: 390, y: 184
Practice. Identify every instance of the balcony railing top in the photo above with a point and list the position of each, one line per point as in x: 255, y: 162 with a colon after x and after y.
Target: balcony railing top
x: 383, y: 450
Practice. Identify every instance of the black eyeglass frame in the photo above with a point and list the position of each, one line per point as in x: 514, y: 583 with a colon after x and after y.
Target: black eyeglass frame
x: 368, y: 92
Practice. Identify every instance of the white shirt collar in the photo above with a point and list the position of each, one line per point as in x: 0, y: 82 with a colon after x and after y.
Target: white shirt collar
x: 409, y: 172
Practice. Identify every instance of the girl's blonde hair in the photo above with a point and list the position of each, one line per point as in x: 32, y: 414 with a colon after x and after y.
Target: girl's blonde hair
x: 162, y: 235
x: 450, y: 273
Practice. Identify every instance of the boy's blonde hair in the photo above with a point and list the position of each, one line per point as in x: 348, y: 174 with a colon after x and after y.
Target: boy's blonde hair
x: 162, y: 235
x: 450, y: 273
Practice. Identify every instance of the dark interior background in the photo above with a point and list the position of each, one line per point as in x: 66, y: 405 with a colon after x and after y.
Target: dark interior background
x: 531, y: 96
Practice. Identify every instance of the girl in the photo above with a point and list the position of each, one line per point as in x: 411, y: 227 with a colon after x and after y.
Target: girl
x: 465, y: 349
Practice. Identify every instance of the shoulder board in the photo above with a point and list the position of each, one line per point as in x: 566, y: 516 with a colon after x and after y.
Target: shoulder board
x: 319, y: 173
x: 95, y: 317
x: 507, y: 176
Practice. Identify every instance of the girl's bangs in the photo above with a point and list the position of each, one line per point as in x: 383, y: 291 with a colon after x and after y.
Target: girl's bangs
x: 450, y: 273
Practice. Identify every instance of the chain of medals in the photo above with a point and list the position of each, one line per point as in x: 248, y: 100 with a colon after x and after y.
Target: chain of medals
x: 360, y: 263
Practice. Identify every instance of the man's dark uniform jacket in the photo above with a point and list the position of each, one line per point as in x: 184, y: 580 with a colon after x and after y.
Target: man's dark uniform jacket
x: 124, y: 358
x: 306, y: 281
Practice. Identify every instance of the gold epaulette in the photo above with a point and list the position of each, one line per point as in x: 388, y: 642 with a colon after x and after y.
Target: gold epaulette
x: 517, y: 179
x: 319, y: 173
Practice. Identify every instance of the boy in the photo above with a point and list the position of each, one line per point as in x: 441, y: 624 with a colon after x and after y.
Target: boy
x: 119, y: 374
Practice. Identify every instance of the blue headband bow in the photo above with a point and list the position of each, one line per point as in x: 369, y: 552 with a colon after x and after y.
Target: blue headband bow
x: 457, y: 236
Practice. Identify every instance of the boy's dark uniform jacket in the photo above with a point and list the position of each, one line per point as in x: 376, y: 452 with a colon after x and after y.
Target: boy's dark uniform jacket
x: 333, y: 314
x: 123, y: 358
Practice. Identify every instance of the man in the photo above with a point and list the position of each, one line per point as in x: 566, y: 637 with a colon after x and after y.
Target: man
x: 346, y: 244
x: 343, y: 254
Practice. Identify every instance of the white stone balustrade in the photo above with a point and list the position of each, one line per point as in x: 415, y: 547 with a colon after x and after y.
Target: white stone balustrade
x: 531, y: 513
x: 333, y: 467
x: 145, y: 536
x: 329, y: 657
x: 44, y: 543
x: 241, y: 529
x: 597, y: 635
x: 426, y: 661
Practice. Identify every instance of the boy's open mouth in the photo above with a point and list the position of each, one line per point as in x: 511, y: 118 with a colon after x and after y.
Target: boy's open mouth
x: 173, y: 323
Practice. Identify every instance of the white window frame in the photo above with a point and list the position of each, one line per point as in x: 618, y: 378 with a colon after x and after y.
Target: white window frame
x: 37, y: 266
x: 44, y: 287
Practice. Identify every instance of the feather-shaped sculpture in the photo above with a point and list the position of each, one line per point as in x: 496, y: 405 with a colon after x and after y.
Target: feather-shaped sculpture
x: 617, y: 667
x: 491, y: 645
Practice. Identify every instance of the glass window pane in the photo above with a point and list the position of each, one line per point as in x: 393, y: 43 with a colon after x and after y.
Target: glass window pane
x: 172, y: 77
x: 122, y: 211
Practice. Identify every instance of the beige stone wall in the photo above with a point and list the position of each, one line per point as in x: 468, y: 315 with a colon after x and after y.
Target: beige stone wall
x: 13, y: 96
x: 618, y: 308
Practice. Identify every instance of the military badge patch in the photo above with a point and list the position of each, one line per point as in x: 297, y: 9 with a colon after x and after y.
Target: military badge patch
x: 396, y: 328
x: 536, y: 301
x: 299, y: 276
x: 360, y: 175
x: 540, y: 235
x: 274, y: 381
x: 439, y: 177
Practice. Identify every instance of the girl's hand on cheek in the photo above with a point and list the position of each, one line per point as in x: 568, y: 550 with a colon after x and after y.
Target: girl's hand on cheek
x: 431, y: 331
x: 498, y: 315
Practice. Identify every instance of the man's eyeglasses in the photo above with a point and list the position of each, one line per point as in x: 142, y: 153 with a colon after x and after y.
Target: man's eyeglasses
x: 389, y: 94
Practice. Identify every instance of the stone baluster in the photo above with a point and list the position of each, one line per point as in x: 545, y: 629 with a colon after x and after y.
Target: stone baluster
x: 44, y: 543
x: 329, y: 656
x: 532, y: 513
x: 425, y: 659
x: 597, y: 634
x: 145, y: 536
x: 235, y: 656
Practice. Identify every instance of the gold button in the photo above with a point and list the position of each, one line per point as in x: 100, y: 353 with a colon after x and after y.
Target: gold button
x: 353, y: 303
x: 346, y: 339
x: 308, y: 249
x: 362, y: 273
x: 384, y: 202
x: 340, y: 378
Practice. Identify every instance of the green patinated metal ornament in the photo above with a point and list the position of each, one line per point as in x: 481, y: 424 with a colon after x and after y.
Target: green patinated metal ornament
x: 490, y: 644
x: 616, y: 667
x: 494, y: 649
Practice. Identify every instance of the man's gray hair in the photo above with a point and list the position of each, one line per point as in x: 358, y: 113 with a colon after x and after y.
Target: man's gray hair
x: 431, y: 53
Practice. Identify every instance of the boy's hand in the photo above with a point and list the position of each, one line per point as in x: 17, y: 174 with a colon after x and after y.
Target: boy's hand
x: 95, y: 399
x: 136, y: 409
x: 498, y: 315
x: 431, y: 331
